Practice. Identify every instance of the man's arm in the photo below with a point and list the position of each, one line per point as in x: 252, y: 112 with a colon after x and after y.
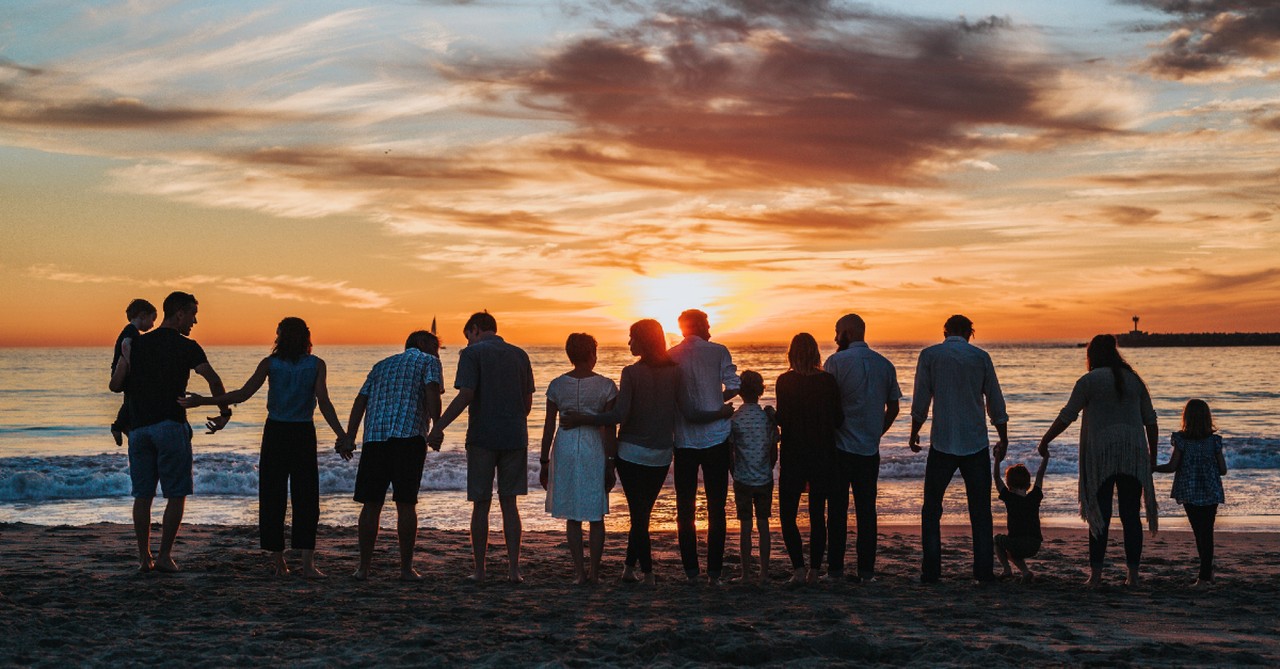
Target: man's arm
x: 456, y: 407
x: 995, y: 473
x: 729, y: 377
x: 921, y: 398
x: 891, y: 410
x: 1002, y: 431
x: 215, y: 423
x: 347, y: 444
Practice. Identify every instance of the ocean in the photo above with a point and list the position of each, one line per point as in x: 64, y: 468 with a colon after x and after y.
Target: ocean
x: 58, y: 465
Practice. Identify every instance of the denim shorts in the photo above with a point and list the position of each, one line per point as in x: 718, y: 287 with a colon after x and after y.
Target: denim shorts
x: 160, y: 452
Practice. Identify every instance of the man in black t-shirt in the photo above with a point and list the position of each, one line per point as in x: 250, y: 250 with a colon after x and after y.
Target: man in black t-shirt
x: 152, y: 372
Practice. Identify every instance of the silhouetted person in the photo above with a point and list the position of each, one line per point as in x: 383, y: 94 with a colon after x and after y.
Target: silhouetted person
x: 869, y: 400
x: 287, y: 466
x: 399, y: 399
x: 153, y: 372
x: 709, y: 379
x: 142, y: 317
x: 959, y: 380
x: 495, y: 384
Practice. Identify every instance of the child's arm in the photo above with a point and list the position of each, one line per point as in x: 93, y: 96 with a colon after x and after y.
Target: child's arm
x: 548, y: 436
x: 1175, y: 460
x: 234, y: 397
x: 1222, y: 461
x: 1044, y: 465
x: 322, y: 400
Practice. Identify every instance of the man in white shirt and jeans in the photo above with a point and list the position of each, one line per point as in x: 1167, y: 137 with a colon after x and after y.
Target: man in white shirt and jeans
x: 959, y: 379
x: 709, y: 379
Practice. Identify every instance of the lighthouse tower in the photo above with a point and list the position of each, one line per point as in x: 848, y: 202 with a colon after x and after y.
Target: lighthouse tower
x: 1135, y: 326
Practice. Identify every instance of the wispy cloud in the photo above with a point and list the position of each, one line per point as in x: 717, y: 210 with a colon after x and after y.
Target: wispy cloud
x: 280, y: 287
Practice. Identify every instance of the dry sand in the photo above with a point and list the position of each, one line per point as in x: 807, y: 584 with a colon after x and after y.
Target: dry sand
x: 70, y: 597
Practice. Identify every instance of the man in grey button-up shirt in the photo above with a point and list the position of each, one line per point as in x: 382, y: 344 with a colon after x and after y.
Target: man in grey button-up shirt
x: 869, y: 396
x: 959, y: 379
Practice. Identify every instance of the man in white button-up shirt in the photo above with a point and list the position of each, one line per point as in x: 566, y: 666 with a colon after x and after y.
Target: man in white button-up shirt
x: 709, y: 379
x: 959, y: 379
x: 869, y: 398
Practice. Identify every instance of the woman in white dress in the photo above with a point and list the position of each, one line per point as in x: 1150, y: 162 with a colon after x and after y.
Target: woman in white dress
x: 577, y: 470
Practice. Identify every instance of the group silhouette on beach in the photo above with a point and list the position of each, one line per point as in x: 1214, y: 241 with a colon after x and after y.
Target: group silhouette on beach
x: 671, y: 408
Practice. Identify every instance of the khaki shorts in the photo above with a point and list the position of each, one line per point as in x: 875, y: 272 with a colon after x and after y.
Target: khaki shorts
x: 511, y: 467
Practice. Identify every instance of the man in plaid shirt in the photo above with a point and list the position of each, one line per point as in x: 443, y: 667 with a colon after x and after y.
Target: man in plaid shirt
x: 398, y: 399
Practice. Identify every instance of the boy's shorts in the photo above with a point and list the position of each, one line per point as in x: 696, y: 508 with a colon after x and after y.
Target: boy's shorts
x: 396, y: 462
x: 510, y: 466
x: 747, y: 497
x: 161, y: 452
x: 1018, y: 547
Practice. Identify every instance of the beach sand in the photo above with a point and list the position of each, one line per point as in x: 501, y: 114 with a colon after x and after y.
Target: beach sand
x: 70, y: 596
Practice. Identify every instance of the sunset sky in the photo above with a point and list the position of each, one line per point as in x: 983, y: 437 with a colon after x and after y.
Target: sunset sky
x: 1047, y: 168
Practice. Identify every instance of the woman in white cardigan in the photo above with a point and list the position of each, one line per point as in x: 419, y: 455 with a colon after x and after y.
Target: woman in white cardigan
x: 1118, y: 438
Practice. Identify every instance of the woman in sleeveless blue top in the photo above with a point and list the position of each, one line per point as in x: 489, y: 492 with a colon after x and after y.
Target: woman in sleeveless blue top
x: 287, y: 466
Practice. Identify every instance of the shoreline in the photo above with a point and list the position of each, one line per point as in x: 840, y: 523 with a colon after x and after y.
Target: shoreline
x: 71, y: 595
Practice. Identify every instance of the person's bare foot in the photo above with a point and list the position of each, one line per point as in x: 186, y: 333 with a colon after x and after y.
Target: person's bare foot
x: 629, y: 576
x: 310, y: 571
x: 812, y: 577
x: 278, y: 565
x: 515, y: 577
x: 361, y: 573
x: 648, y: 579
x: 1202, y: 582
x: 691, y: 579
x: 714, y: 581
x: 580, y: 580
x: 1132, y: 580
x: 1005, y: 575
x: 799, y: 577
x: 477, y: 577
x: 1027, y: 577
x: 118, y: 436
x: 410, y: 574
x: 166, y: 565
x: 146, y: 566
x: 763, y: 580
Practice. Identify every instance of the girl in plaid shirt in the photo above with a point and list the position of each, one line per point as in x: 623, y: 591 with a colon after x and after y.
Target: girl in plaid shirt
x: 1198, y: 467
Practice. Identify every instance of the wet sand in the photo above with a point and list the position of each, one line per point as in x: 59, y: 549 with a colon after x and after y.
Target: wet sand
x: 70, y: 596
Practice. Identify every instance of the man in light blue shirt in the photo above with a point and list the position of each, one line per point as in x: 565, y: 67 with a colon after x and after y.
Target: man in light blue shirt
x: 959, y: 379
x: 869, y: 397
x: 708, y: 380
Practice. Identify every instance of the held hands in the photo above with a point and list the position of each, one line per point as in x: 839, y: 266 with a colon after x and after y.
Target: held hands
x: 1000, y: 449
x: 914, y: 442
x: 191, y: 400
x: 435, y: 438
x: 1043, y: 449
x: 345, y: 446
x: 215, y: 423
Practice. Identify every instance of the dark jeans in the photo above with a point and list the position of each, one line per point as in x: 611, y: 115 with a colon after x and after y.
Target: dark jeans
x: 789, y: 491
x: 640, y: 485
x: 862, y: 474
x: 287, y: 468
x: 714, y: 463
x: 1130, y: 493
x: 976, y: 471
x: 1202, y: 518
